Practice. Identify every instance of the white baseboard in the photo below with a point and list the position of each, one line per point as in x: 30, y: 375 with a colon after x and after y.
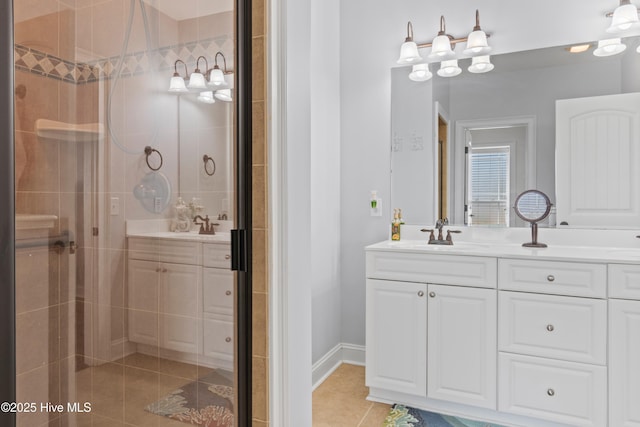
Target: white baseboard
x: 122, y: 348
x: 341, y: 353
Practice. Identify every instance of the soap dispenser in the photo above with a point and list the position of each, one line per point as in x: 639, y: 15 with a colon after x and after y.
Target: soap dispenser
x: 395, y: 226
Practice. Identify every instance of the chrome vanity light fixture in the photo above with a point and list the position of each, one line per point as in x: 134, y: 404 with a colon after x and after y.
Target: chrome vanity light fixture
x: 624, y: 17
x: 442, y: 50
x: 177, y: 84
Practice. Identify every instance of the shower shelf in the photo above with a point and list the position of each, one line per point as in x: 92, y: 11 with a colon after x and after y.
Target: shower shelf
x: 62, y: 131
x: 34, y: 221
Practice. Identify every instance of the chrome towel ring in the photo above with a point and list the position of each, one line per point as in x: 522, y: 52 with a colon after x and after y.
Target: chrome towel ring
x: 149, y: 151
x: 209, y: 170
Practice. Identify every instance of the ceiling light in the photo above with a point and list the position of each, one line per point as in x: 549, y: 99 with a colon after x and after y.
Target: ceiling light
x: 624, y: 17
x: 578, y: 48
x: 420, y: 73
x: 609, y: 47
x: 409, y: 49
x: 480, y: 64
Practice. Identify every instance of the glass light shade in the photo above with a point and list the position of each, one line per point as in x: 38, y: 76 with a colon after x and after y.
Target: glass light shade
x: 230, y: 80
x: 224, y: 95
x: 449, y: 68
x: 638, y: 49
x: 196, y: 81
x: 609, y: 47
x: 480, y: 64
x: 420, y: 73
x: 409, y: 53
x: 206, y: 97
x: 216, y: 77
x: 624, y: 17
x: 177, y: 85
x: 477, y: 43
x: 441, y: 48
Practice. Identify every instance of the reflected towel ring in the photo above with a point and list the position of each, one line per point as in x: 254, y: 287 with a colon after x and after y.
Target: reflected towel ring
x: 206, y: 160
x: 149, y: 151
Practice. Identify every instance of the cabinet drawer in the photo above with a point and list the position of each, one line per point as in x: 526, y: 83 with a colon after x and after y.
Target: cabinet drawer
x: 216, y: 255
x: 218, y: 338
x: 432, y: 268
x: 217, y: 291
x: 624, y: 281
x: 564, y: 392
x: 559, y: 327
x: 553, y: 277
x: 175, y: 251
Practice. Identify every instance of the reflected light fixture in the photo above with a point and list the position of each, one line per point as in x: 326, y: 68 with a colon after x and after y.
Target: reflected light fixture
x: 409, y: 49
x: 609, y: 47
x: 441, y: 45
x: 578, y: 48
x: 420, y: 73
x: 216, y: 77
x: 624, y: 17
x: 206, y: 97
x: 449, y: 68
x: 196, y: 80
x: 477, y: 40
x: 480, y: 64
x: 224, y: 95
x: 177, y: 84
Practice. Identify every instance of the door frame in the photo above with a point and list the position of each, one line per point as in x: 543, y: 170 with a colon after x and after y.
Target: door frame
x: 7, y: 215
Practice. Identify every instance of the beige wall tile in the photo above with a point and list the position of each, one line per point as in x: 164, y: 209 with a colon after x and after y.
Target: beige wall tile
x: 258, y: 18
x: 41, y: 101
x: 37, y: 339
x: 260, y: 324
x: 37, y: 276
x: 260, y: 380
x: 258, y: 71
x: 39, y: 385
x: 259, y: 261
x: 216, y: 25
x: 41, y: 170
x: 67, y: 34
x: 40, y: 33
x: 258, y: 133
x: 108, y: 28
x: 259, y: 196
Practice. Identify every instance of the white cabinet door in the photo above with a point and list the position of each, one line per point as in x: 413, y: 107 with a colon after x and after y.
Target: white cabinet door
x: 180, y: 305
x: 597, y: 158
x: 396, y: 318
x: 624, y: 363
x: 143, y: 296
x: 462, y: 348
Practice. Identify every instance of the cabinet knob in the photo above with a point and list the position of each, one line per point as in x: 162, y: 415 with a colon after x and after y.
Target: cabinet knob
x: 228, y: 339
x: 432, y: 294
x: 227, y: 256
x: 164, y: 270
x: 550, y: 328
x: 227, y: 293
x: 158, y: 270
x: 551, y: 392
x: 420, y: 293
x: 551, y: 278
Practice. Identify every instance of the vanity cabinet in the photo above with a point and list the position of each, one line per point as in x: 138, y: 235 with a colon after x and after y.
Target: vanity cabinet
x: 511, y: 340
x: 461, y: 345
x: 180, y: 299
x: 624, y: 345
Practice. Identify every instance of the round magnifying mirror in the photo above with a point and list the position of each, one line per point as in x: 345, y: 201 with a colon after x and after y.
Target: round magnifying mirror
x: 533, y: 206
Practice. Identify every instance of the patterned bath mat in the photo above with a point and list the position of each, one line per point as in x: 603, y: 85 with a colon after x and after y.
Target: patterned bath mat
x: 207, y: 402
x: 402, y: 416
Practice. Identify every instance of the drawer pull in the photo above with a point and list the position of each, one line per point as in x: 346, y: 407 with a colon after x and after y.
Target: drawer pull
x: 227, y: 293
x: 551, y: 392
x: 420, y: 293
x: 432, y: 294
x: 228, y: 339
x: 551, y: 278
x: 158, y: 270
x: 550, y: 328
x: 227, y: 256
x: 164, y: 270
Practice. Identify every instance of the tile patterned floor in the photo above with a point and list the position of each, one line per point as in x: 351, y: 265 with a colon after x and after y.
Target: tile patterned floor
x: 340, y: 401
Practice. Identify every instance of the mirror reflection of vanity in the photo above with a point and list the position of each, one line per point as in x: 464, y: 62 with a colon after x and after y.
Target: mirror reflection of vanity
x: 506, y: 117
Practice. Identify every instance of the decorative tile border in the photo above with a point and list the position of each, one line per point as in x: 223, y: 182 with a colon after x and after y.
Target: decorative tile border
x: 47, y: 65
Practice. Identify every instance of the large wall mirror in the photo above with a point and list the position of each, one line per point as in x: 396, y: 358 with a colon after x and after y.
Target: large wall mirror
x: 464, y: 147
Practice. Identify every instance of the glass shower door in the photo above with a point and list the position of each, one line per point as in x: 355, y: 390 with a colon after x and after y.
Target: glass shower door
x: 125, y: 193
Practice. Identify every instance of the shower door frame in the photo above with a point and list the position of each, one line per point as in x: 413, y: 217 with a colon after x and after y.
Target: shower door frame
x: 241, y: 255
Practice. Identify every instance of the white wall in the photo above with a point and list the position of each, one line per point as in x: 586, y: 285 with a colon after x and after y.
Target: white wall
x: 371, y: 34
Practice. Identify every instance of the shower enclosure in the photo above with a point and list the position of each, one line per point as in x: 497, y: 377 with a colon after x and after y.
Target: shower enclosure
x: 126, y: 286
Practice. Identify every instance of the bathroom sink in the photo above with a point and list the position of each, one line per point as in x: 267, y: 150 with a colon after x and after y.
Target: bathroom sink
x: 423, y: 245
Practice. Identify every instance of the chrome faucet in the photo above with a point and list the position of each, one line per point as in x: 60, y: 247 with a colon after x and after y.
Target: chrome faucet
x: 205, y: 227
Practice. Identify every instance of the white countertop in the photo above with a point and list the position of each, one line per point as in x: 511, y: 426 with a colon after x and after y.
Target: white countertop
x: 158, y: 229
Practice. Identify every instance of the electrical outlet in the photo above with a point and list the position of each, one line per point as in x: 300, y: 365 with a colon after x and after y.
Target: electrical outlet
x: 115, y: 206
